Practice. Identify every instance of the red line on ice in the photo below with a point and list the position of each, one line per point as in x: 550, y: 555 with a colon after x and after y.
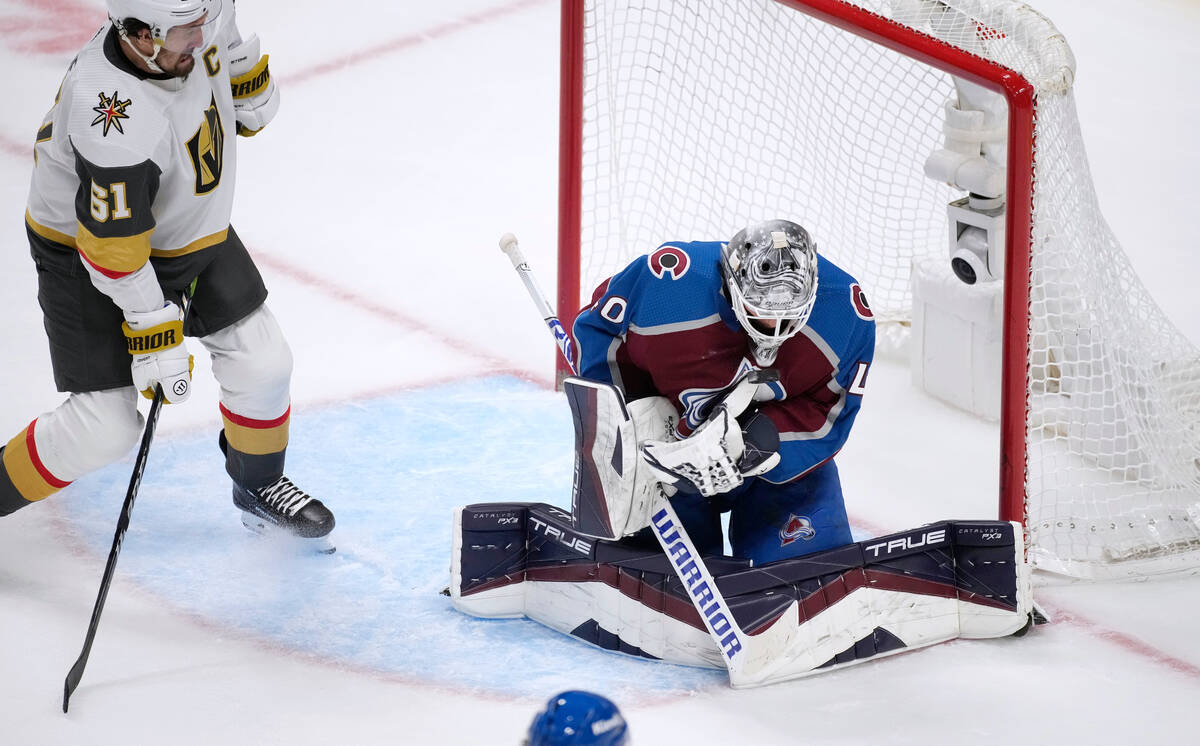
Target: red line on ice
x: 50, y: 27
x: 408, y: 41
x: 400, y: 319
x: 1124, y: 641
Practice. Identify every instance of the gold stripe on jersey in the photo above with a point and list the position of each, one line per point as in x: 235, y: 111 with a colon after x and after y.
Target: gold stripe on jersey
x: 119, y: 255
x: 65, y: 240
x: 46, y: 132
x: 48, y: 233
x: 25, y: 469
x: 198, y: 245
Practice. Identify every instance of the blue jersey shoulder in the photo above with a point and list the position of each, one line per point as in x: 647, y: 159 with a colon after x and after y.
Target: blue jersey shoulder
x: 842, y: 314
x: 676, y: 283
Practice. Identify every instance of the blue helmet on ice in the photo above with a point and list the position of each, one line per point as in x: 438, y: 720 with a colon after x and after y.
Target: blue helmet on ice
x: 578, y: 719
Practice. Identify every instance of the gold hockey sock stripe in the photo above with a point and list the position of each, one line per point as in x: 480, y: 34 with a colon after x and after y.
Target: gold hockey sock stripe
x: 253, y: 81
x: 256, y: 437
x: 154, y: 339
x: 27, y: 472
x: 10, y: 499
x: 114, y: 257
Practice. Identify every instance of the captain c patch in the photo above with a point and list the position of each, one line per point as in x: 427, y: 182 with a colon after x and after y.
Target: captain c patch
x: 111, y: 111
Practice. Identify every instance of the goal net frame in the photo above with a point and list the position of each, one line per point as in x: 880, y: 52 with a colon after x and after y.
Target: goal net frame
x: 1016, y: 382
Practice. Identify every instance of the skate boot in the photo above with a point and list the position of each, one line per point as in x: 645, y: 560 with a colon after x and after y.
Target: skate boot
x: 282, y: 506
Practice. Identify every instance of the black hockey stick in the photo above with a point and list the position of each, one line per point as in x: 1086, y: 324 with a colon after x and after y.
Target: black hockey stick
x: 745, y: 657
x: 135, y: 481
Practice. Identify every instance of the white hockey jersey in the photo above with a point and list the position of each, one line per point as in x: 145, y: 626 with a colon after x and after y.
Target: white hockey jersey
x: 129, y: 164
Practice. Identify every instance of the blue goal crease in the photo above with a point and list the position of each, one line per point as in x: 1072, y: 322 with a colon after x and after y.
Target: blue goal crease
x: 392, y: 473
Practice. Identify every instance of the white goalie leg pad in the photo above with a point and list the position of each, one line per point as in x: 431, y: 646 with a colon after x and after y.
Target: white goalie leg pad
x: 878, y: 608
x: 505, y: 601
x: 612, y: 489
x: 522, y: 559
x: 571, y: 607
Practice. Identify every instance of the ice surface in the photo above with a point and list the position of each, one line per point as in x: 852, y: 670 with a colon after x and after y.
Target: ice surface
x: 411, y: 136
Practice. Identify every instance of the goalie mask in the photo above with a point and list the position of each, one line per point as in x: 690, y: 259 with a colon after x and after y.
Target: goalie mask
x: 578, y: 719
x: 771, y: 271
x: 182, y: 27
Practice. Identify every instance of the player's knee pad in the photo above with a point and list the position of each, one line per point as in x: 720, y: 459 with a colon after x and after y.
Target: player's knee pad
x: 88, y: 431
x: 253, y: 364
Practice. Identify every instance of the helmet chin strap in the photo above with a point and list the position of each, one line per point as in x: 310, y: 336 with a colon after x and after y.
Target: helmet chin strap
x: 150, y: 61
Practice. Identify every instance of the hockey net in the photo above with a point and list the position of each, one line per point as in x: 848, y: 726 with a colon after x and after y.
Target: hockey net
x: 690, y: 119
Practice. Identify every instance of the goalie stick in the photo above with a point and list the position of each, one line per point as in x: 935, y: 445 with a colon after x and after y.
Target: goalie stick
x: 139, y: 466
x: 745, y: 657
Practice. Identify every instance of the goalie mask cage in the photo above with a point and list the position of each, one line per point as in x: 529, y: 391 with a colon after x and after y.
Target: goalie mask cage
x: 690, y: 119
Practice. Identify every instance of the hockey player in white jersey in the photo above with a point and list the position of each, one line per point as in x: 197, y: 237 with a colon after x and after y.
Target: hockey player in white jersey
x: 129, y: 207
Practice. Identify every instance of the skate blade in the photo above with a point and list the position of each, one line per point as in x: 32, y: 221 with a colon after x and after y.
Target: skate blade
x: 318, y: 545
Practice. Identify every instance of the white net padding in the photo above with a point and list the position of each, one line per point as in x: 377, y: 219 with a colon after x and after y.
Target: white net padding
x: 701, y: 117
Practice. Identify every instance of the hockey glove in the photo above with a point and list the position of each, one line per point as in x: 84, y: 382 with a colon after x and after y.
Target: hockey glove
x: 722, y: 452
x: 255, y: 97
x: 706, y: 461
x: 155, y: 340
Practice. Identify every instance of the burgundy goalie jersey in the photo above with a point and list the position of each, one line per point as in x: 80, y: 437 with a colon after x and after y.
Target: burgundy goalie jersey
x: 664, y: 326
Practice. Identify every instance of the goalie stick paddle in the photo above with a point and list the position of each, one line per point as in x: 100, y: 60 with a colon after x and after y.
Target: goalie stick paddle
x: 135, y: 481
x: 739, y: 650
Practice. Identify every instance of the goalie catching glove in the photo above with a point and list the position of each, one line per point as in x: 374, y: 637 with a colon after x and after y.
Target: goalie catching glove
x: 255, y: 97
x: 155, y: 340
x: 720, y: 454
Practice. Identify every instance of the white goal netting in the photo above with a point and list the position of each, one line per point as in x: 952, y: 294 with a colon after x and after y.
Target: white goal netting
x: 700, y: 117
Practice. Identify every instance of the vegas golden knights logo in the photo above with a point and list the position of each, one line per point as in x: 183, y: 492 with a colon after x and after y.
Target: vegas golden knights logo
x: 207, y: 148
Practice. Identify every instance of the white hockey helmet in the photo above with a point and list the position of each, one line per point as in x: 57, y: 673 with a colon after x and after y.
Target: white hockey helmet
x: 771, y: 271
x: 164, y: 15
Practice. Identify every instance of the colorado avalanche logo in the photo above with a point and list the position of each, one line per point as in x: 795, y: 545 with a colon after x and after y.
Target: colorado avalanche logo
x: 859, y: 300
x: 797, y: 527
x: 698, y: 402
x: 669, y: 260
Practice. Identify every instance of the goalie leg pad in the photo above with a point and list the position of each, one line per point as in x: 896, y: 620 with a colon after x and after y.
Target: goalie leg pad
x: 800, y: 616
x: 880, y: 597
x: 525, y: 559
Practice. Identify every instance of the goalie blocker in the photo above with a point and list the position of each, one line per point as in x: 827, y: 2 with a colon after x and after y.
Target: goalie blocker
x: 801, y: 616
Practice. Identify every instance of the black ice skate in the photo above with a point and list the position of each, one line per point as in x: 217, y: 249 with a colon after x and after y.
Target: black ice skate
x: 283, y: 507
